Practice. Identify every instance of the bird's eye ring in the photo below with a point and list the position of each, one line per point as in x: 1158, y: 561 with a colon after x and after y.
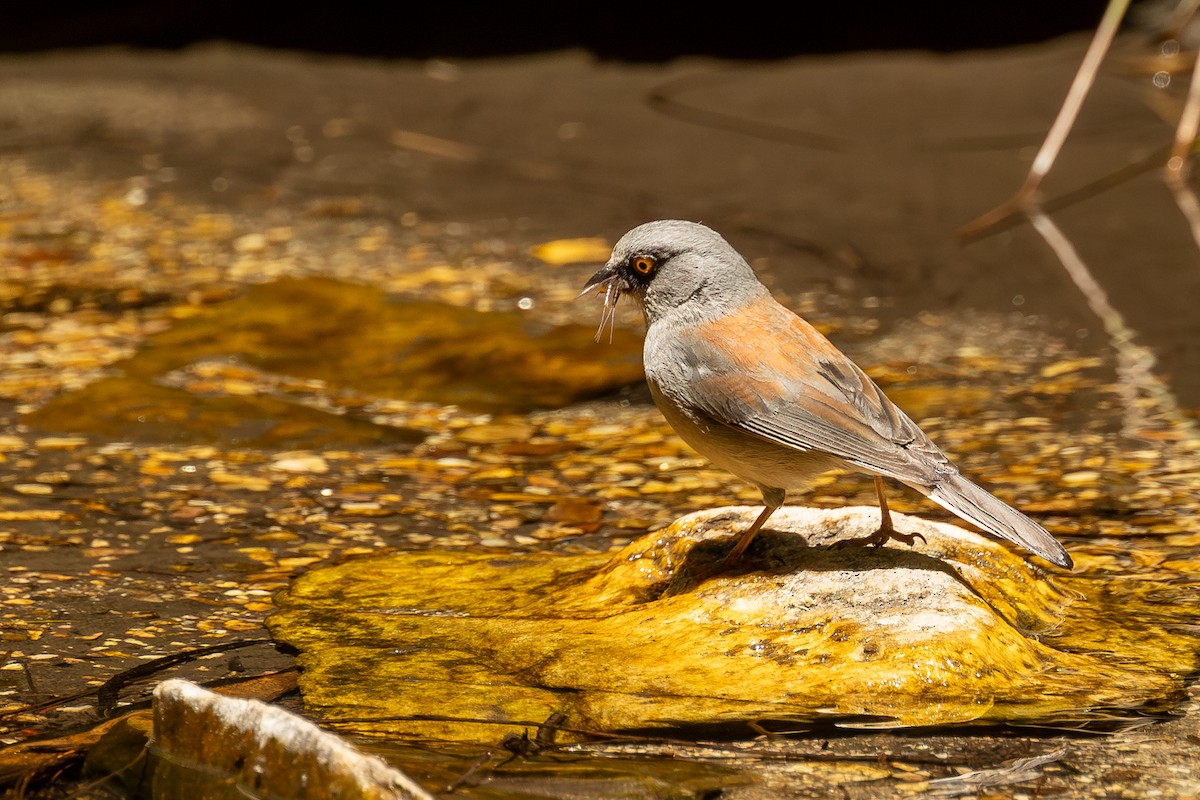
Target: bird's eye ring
x: 644, y: 264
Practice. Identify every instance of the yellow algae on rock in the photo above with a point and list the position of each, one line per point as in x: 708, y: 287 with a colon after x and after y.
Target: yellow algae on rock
x: 957, y: 629
x: 242, y: 371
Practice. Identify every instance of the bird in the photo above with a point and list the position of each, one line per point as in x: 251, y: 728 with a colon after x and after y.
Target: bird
x: 759, y: 392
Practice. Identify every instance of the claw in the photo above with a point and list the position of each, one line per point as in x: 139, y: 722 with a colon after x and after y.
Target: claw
x: 879, y: 538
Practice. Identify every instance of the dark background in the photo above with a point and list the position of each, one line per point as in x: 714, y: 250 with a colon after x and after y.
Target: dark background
x: 619, y: 30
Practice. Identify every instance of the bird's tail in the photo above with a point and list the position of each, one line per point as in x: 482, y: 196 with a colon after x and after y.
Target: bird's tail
x: 976, y: 505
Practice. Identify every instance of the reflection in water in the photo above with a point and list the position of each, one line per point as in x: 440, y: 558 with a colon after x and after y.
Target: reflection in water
x: 1189, y: 206
x: 1148, y: 401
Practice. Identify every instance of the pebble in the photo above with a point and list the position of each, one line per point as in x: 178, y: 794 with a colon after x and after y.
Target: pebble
x: 301, y: 464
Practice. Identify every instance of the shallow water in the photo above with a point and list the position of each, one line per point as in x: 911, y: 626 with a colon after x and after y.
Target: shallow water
x: 233, y: 446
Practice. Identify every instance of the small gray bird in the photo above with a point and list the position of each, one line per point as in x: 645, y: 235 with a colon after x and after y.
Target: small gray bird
x: 760, y: 393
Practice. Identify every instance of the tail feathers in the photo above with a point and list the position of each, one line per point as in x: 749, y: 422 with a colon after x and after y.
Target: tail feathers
x: 977, y: 505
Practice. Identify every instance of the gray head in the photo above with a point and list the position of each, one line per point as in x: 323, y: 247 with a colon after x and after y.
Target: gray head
x: 671, y: 263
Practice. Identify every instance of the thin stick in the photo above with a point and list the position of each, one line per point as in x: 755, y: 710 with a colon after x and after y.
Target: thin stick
x: 1026, y: 195
x: 1185, y: 133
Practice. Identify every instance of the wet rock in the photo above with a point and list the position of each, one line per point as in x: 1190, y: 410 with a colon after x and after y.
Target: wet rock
x: 268, y: 368
x: 958, y: 629
x: 213, y: 746
x: 137, y: 409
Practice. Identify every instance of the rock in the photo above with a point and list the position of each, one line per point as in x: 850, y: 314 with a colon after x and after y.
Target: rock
x: 138, y: 409
x: 212, y: 746
x: 957, y: 629
x: 348, y: 339
x: 300, y: 463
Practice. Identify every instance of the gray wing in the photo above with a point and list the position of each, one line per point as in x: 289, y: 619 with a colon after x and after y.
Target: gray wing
x: 806, y: 395
x: 781, y: 381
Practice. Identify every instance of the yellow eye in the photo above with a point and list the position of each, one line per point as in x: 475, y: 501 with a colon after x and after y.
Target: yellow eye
x: 644, y: 264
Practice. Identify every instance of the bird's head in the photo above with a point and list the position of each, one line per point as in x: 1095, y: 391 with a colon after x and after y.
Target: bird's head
x: 673, y: 265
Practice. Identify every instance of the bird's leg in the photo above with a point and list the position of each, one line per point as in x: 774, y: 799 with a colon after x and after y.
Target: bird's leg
x: 885, y: 515
x: 886, y: 530
x: 773, y: 499
x: 747, y: 536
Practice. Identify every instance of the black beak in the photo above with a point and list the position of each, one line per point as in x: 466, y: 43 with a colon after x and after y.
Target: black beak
x: 605, y: 277
x: 613, y: 284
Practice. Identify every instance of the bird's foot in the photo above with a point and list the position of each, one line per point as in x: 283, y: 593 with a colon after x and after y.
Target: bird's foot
x: 879, y: 538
